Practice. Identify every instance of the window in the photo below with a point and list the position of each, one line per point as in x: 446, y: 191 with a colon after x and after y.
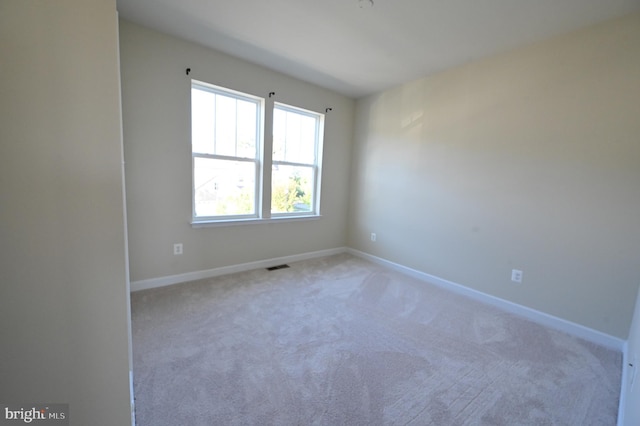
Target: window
x: 229, y: 162
x: 225, y: 147
x: 295, y: 159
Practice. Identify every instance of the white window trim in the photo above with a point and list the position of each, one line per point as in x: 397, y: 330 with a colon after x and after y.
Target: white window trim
x: 254, y: 221
x: 257, y: 160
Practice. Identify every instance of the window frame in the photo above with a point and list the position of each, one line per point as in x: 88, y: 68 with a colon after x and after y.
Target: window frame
x: 256, y: 160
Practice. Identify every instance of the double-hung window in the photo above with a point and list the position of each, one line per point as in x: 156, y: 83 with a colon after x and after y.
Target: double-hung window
x: 225, y: 143
x: 295, y: 175
x: 230, y: 169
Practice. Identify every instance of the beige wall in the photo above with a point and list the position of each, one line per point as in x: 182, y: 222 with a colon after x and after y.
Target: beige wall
x: 63, y: 281
x: 527, y: 160
x: 156, y: 105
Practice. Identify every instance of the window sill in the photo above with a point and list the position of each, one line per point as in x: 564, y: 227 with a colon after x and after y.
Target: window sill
x: 252, y: 221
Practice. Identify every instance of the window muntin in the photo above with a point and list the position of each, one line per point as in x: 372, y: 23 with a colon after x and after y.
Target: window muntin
x: 295, y: 165
x: 225, y: 152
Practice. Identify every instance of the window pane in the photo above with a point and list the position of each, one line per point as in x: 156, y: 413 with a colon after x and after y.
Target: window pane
x: 247, y: 129
x: 202, y: 121
x: 294, y: 137
x: 308, y: 135
x: 223, y: 187
x: 291, y: 189
x: 225, y: 125
x: 279, y: 132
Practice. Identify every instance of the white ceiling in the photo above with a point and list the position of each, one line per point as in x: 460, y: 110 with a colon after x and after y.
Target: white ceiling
x: 358, y: 50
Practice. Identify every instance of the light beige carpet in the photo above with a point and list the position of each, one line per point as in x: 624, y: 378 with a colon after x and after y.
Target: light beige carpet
x: 341, y: 341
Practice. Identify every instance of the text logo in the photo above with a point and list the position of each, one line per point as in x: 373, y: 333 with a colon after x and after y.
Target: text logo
x: 36, y: 414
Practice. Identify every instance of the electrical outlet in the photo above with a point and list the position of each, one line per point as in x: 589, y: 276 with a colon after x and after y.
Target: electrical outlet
x: 373, y: 237
x: 177, y: 248
x: 516, y: 276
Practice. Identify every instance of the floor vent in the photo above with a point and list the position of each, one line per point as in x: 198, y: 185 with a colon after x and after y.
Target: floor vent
x: 274, y: 268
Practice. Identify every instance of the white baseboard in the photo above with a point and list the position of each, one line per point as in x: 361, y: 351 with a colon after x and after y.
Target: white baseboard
x: 542, y: 318
x: 224, y: 270
x: 529, y: 313
x: 623, y: 385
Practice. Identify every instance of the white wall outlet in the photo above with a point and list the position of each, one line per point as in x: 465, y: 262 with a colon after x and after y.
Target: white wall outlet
x: 516, y: 275
x: 177, y: 248
x: 373, y: 237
